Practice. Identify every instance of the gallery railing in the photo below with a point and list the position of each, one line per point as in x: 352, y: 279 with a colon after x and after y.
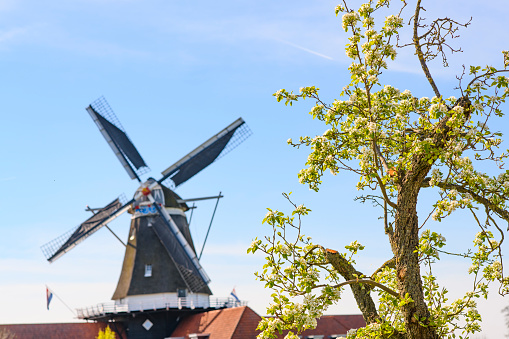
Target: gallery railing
x: 156, y: 304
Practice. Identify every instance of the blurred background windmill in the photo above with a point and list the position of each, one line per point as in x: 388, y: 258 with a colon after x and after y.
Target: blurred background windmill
x: 161, y: 276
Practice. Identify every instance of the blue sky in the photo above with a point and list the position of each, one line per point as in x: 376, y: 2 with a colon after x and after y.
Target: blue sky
x: 175, y: 74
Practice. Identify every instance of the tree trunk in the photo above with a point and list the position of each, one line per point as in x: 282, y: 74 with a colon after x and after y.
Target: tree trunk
x: 404, y: 242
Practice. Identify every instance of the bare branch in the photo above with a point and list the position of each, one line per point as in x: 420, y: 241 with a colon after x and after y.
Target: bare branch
x: 381, y: 157
x: 418, y: 50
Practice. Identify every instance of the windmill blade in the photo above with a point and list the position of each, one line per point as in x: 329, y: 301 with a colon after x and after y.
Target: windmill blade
x: 178, y: 248
x: 116, y: 137
x: 191, y: 275
x: 208, y: 152
x: 61, y: 245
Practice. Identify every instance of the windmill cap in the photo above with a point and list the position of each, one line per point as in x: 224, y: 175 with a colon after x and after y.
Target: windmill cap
x: 161, y: 194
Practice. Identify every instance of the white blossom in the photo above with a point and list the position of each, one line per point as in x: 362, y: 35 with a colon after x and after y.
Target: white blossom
x: 392, y: 20
x: 349, y: 18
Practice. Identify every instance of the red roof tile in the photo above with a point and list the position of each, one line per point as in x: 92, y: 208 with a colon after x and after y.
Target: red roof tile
x: 234, y: 323
x: 335, y: 324
x: 241, y: 323
x: 246, y: 328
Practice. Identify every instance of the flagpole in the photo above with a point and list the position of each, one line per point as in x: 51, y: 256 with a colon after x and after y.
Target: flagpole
x: 56, y: 295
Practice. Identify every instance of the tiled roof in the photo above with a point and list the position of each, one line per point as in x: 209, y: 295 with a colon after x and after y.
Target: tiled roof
x: 335, y: 324
x: 55, y: 331
x: 229, y: 323
x: 241, y: 323
x: 246, y: 327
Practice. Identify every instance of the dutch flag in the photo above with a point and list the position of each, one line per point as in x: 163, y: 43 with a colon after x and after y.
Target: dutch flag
x: 234, y: 294
x: 49, y: 296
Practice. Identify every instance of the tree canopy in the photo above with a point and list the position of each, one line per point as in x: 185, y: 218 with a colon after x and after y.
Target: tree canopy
x: 398, y: 145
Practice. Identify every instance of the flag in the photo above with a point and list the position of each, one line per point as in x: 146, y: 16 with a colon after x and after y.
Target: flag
x: 234, y: 294
x: 49, y: 296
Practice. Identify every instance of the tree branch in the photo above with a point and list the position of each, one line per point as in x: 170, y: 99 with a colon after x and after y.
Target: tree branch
x: 362, y: 296
x: 488, y: 204
x: 369, y: 282
x: 487, y: 74
x: 380, y: 156
x: 384, y: 192
x: 418, y: 51
x: 389, y: 263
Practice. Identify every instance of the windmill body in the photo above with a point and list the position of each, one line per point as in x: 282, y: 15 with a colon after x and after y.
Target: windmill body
x: 154, y: 267
x: 161, y: 277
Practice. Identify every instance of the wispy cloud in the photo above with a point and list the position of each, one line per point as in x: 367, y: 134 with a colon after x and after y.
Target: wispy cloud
x: 7, y: 179
x: 58, y: 37
x: 102, y: 48
x: 13, y: 33
x: 305, y: 49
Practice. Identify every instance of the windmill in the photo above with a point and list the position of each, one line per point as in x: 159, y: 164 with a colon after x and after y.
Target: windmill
x: 160, y: 271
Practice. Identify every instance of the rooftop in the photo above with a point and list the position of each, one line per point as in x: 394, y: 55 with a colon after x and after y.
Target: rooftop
x: 228, y: 323
x: 55, y: 331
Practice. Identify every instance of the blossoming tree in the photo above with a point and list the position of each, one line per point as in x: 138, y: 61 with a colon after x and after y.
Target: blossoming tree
x: 398, y: 145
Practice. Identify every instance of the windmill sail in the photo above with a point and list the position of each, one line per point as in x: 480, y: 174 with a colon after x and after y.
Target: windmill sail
x: 61, y: 245
x: 185, y: 266
x: 175, y: 241
x: 208, y: 152
x: 116, y: 137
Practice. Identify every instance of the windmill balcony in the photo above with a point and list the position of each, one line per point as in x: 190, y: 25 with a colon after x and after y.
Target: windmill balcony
x: 157, y: 302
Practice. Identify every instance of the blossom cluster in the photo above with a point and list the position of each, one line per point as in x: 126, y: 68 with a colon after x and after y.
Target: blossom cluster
x: 291, y: 271
x: 429, y: 244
